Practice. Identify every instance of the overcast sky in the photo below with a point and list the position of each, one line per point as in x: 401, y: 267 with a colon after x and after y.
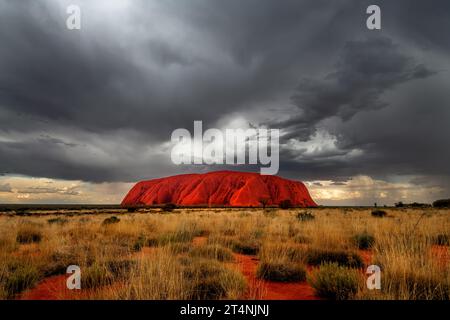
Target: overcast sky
x: 364, y: 114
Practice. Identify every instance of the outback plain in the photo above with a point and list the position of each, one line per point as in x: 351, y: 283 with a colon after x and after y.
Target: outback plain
x: 224, y: 253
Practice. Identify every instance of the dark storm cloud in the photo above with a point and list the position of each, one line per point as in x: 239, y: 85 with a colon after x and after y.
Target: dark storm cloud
x: 98, y: 104
x: 112, y: 76
x: 91, y: 81
x: 364, y: 72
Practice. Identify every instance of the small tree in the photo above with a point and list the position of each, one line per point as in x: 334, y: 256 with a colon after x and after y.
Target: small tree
x: 169, y: 207
x: 399, y: 204
x: 285, y: 204
x: 264, y: 202
x: 443, y: 203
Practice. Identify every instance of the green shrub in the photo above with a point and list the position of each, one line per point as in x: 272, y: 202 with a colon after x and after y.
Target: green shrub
x: 283, y: 272
x: 332, y: 281
x: 379, y: 213
x: 364, y: 240
x: 212, y: 252
x: 28, y: 234
x: 305, y: 216
x: 110, y: 220
x: 317, y: 257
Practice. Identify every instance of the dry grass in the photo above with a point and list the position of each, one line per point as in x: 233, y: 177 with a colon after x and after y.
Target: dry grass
x: 152, y: 255
x: 335, y: 282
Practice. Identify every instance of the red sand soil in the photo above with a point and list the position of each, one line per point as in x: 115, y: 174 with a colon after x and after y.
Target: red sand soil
x: 271, y: 290
x: 147, y: 251
x: 441, y: 254
x: 55, y: 288
x: 199, y: 241
x: 226, y: 188
x: 367, y: 256
x: 262, y: 289
x: 51, y: 288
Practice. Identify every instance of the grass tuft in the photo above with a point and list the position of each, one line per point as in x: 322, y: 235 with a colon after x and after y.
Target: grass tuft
x: 281, y: 271
x: 110, y: 220
x: 28, y: 234
x: 305, y: 216
x: 441, y: 239
x: 379, y: 213
x: 332, y: 281
x: 212, y: 252
x: 209, y: 279
x: 364, y: 240
x: 19, y: 276
x: 316, y: 257
x: 248, y: 247
x: 60, y: 221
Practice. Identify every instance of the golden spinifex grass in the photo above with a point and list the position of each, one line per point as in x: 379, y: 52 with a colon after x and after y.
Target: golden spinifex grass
x: 153, y: 255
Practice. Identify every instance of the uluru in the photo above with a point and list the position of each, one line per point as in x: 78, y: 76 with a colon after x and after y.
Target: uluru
x: 220, y: 188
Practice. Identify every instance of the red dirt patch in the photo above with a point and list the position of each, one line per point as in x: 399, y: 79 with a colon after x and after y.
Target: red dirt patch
x: 51, y: 288
x: 199, y: 241
x: 145, y: 251
x: 271, y: 290
x: 55, y: 288
x: 441, y: 254
x: 367, y: 256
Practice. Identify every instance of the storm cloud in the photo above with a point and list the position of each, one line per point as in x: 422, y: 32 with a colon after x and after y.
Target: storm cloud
x: 99, y: 104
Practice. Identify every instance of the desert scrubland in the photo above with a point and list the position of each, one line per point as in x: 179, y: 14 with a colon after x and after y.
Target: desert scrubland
x: 225, y: 253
